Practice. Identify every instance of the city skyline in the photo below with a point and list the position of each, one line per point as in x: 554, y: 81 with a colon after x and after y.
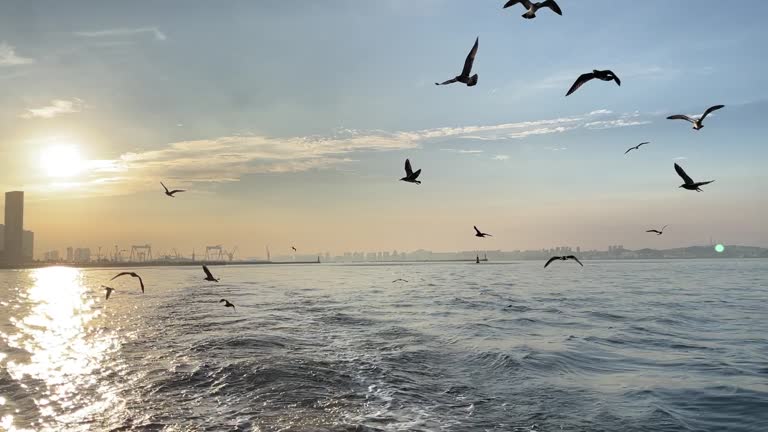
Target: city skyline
x: 288, y: 131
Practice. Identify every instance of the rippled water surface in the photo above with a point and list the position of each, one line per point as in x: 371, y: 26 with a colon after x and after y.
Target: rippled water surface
x: 616, y: 346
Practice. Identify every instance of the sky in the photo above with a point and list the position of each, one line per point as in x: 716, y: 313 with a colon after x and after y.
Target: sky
x: 288, y: 122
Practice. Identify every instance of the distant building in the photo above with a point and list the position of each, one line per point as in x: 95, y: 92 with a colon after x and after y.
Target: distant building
x: 27, y: 245
x: 70, y: 254
x: 82, y: 255
x: 14, y: 227
x: 51, y: 256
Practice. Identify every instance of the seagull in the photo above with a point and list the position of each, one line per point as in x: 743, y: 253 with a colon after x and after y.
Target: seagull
x: 410, y: 175
x: 689, y: 183
x: 604, y: 75
x: 697, y: 123
x: 294, y: 248
x: 658, y: 232
x: 399, y: 280
x: 481, y: 234
x: 227, y: 304
x: 563, y: 258
x: 637, y: 147
x: 171, y: 193
x: 533, y: 7
x: 208, y: 275
x: 108, y: 290
x: 132, y: 274
x: 464, y: 77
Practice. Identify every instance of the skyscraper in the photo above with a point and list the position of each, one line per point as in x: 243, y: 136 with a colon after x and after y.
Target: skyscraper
x: 14, y: 227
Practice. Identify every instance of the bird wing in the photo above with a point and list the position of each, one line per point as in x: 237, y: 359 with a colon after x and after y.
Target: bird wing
x: 408, y: 169
x: 664, y: 227
x: 120, y: 274
x: 141, y: 282
x: 222, y: 300
x: 207, y: 272
x: 643, y: 143
x: 470, y: 59
x: 573, y: 257
x: 630, y: 149
x: 681, y: 117
x: 552, y: 5
x: 166, y: 189
x: 176, y: 190
x: 653, y: 231
x: 550, y: 261
x: 709, y: 110
x: 450, y: 81
x: 476, y: 230
x: 682, y: 174
x: 580, y: 82
x: 615, y: 78
x: 525, y: 3
x: 416, y: 174
x: 704, y: 183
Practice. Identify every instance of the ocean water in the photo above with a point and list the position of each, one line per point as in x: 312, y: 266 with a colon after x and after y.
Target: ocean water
x: 615, y: 346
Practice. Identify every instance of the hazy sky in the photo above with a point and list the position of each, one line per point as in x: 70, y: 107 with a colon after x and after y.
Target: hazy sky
x: 289, y: 122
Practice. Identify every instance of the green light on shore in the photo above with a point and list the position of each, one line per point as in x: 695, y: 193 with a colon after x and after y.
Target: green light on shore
x: 719, y: 248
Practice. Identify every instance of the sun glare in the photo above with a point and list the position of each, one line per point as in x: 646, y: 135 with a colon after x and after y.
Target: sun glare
x: 61, y: 161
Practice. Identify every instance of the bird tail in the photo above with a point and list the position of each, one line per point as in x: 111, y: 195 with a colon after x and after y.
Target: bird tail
x: 472, y: 81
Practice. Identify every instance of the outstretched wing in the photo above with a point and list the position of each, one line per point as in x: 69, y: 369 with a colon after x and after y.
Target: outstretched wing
x: 450, y: 81
x: 682, y: 174
x: 141, y: 282
x: 525, y: 3
x: 166, y: 189
x: 681, y: 117
x: 207, y: 272
x: 630, y: 149
x: 615, y: 78
x: 580, y: 82
x: 643, y: 143
x: 664, y: 227
x: 476, y: 230
x: 550, y: 261
x: 408, y: 169
x: 552, y: 5
x: 710, y: 109
x: 176, y: 190
x: 120, y: 274
x: 653, y: 231
x: 416, y: 174
x: 470, y: 59
x: 573, y: 257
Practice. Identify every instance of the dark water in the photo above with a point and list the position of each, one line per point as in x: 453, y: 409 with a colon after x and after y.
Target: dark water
x: 616, y: 346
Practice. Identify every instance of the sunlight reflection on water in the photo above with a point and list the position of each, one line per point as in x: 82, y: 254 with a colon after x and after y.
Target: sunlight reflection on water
x: 61, y: 351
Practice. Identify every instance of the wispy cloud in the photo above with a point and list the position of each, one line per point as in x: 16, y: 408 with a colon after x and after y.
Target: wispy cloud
x: 8, y: 56
x: 56, y: 108
x: 229, y: 158
x: 117, y: 32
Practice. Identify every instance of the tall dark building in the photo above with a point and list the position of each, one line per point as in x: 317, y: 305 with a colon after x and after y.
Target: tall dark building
x: 14, y: 227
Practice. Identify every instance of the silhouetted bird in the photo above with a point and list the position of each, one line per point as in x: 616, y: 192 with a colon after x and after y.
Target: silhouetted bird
x: 410, y: 175
x: 480, y: 234
x: 294, y: 248
x: 563, y: 258
x: 108, y: 290
x: 697, y: 123
x: 689, y: 183
x: 228, y: 304
x: 604, y: 75
x: 208, y: 275
x: 637, y: 147
x: 399, y: 280
x: 658, y: 232
x: 171, y: 193
x: 131, y: 274
x: 533, y: 7
x: 464, y: 77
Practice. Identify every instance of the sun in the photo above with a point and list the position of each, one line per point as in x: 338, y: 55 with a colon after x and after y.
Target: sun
x: 61, y: 160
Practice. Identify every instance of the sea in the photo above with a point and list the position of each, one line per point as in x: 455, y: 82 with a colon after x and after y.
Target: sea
x: 666, y: 345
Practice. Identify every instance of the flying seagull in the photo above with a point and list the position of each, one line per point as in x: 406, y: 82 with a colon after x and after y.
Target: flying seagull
x: 464, y: 77
x: 410, y: 175
x: 563, y: 258
x: 208, y: 275
x: 399, y: 280
x: 658, y: 232
x: 637, y: 147
x: 227, y: 304
x: 697, y: 123
x: 533, y: 7
x: 171, y: 193
x: 132, y: 274
x: 689, y: 183
x: 604, y: 75
x: 108, y: 290
x: 481, y: 234
x: 294, y: 248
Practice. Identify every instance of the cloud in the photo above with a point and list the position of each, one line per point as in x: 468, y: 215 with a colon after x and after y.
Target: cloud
x: 8, y: 56
x: 229, y: 158
x: 154, y: 31
x: 680, y: 158
x: 56, y: 108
